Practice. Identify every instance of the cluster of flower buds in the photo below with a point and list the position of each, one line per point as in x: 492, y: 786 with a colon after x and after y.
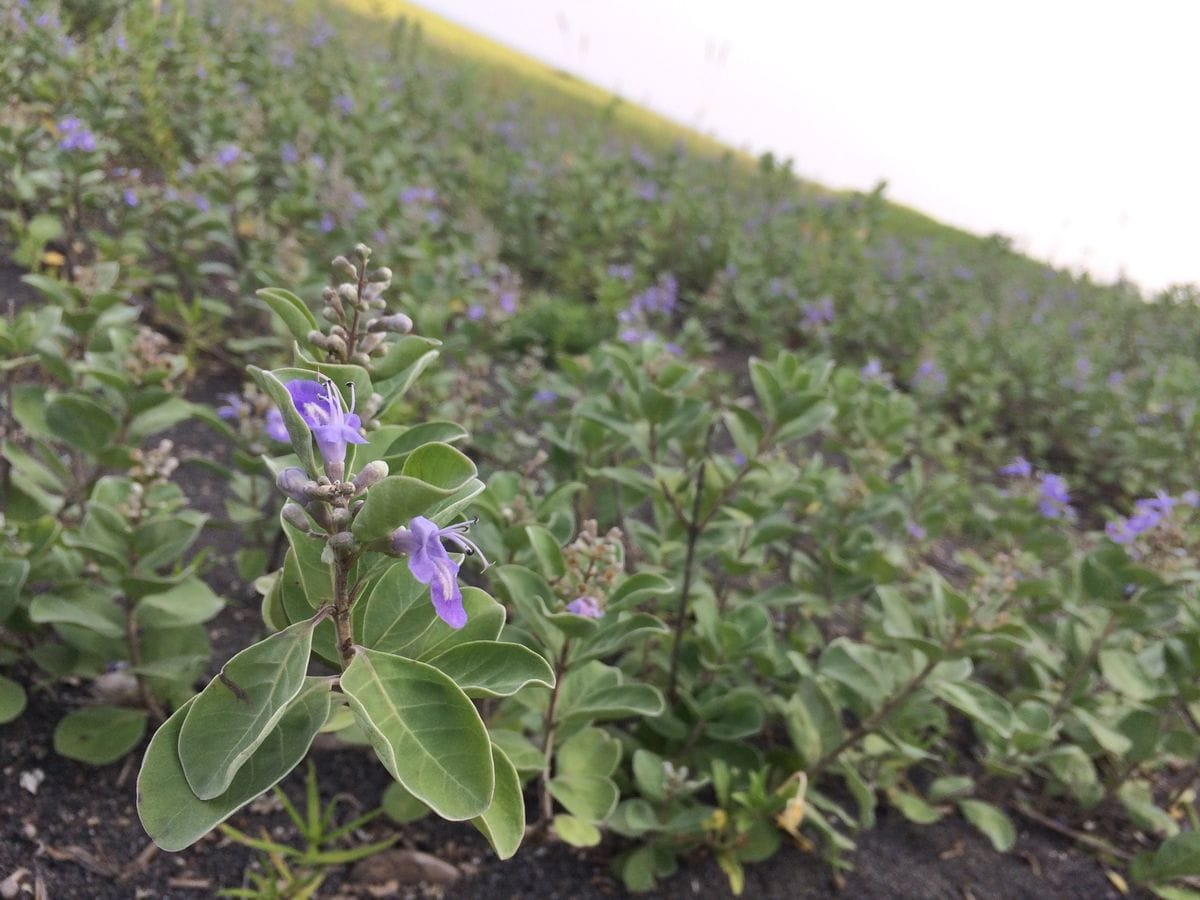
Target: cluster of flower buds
x: 153, y: 466
x: 147, y: 359
x: 330, y: 503
x: 593, y: 564
x: 358, y: 312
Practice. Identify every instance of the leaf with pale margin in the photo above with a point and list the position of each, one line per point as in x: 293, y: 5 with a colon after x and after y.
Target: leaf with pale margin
x: 503, y: 822
x: 494, y: 668
x: 241, y: 706
x: 176, y: 818
x: 425, y: 730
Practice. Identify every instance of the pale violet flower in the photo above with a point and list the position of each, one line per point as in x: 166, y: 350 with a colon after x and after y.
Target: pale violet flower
x: 430, y: 564
x: 585, y: 606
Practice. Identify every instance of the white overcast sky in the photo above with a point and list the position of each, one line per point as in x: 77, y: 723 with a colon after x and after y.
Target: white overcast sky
x: 1073, y: 127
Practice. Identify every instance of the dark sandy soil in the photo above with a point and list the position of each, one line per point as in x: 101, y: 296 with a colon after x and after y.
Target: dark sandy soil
x: 78, y: 837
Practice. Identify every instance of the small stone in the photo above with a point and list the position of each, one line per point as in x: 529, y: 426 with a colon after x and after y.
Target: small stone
x: 405, y: 866
x: 32, y: 780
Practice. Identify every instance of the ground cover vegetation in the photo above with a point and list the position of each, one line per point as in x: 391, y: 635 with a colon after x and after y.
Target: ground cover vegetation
x: 700, y: 508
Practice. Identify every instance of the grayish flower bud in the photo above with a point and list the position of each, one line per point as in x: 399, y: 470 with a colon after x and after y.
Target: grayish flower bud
x: 343, y: 265
x: 360, y: 359
x: 340, y: 516
x: 348, y: 292
x: 330, y: 313
x: 295, y: 483
x: 336, y: 344
x: 381, y: 275
x: 342, y: 542
x: 372, y: 473
x: 295, y: 516
x: 397, y: 322
x: 362, y: 251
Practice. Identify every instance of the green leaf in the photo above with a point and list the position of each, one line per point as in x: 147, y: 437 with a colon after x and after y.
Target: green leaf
x: 425, y: 730
x: 292, y: 311
x: 519, y: 749
x: 239, y: 708
x: 394, y: 502
x: 1176, y: 857
x: 91, y: 610
x: 175, y: 818
x: 649, y: 775
x: 590, y: 751
x: 440, y: 465
x: 503, y: 822
x: 400, y: 806
x: 494, y: 668
x: 992, y: 821
x: 81, y: 422
x: 913, y: 807
x: 576, y: 832
x: 979, y: 703
x: 1104, y: 734
x: 297, y: 428
x: 417, y: 435
x: 588, y: 797
x: 546, y: 549
x: 616, y: 632
x: 12, y: 700
x: 188, y: 603
x: 99, y: 735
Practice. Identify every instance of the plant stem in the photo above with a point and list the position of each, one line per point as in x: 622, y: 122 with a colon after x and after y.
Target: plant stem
x: 343, y: 599
x: 133, y: 636
x: 1084, y: 665
x: 694, y: 526
x: 873, y: 721
x: 549, y: 726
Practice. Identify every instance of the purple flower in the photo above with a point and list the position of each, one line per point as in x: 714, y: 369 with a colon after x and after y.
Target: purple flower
x: 1020, y: 467
x: 330, y: 422
x: 915, y: 531
x: 819, y: 314
x: 872, y: 371
x: 475, y: 312
x: 1191, y: 498
x: 344, y: 104
x: 202, y: 203
x: 326, y: 224
x: 75, y: 135
x: 508, y: 302
x: 289, y: 154
x: 585, y: 606
x: 1054, y: 498
x: 430, y: 564
x: 236, y: 408
x: 129, y: 195
x: 620, y: 272
x: 228, y: 155
x: 1116, y: 379
x: 545, y: 395
x: 646, y: 190
x: 929, y: 374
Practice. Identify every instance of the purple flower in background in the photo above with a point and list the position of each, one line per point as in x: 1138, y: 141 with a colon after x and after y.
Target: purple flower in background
x: 236, y: 408
x: 1020, y: 467
x: 508, y: 302
x: 646, y: 190
x: 915, y: 531
x: 322, y: 32
x: 929, y: 375
x: 872, y: 371
x: 415, y: 194
x: 585, y: 606
x: 620, y: 272
x: 1116, y: 379
x: 475, y: 312
x: 129, y: 195
x: 326, y: 224
x: 1053, y: 497
x: 545, y: 395
x: 819, y: 314
x: 641, y: 157
x: 75, y: 135
x: 274, y: 426
x: 228, y: 154
x: 1190, y: 498
x: 289, y: 154
x: 344, y: 104
x: 317, y: 161
x: 201, y: 203
x: 430, y: 564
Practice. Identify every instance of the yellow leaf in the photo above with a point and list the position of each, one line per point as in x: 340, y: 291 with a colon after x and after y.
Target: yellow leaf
x: 793, y: 813
x: 53, y: 258
x: 717, y: 821
x: 1118, y: 882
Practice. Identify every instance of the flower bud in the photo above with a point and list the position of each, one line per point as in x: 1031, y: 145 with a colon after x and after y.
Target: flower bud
x: 377, y: 303
x: 330, y: 313
x: 336, y: 345
x: 340, y: 516
x: 372, y: 473
x: 342, y: 542
x: 397, y: 322
x: 362, y: 251
x: 381, y: 275
x: 343, y: 265
x: 295, y: 483
x: 347, y: 292
x: 316, y: 338
x: 370, y: 342
x: 360, y: 359
x: 295, y: 516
